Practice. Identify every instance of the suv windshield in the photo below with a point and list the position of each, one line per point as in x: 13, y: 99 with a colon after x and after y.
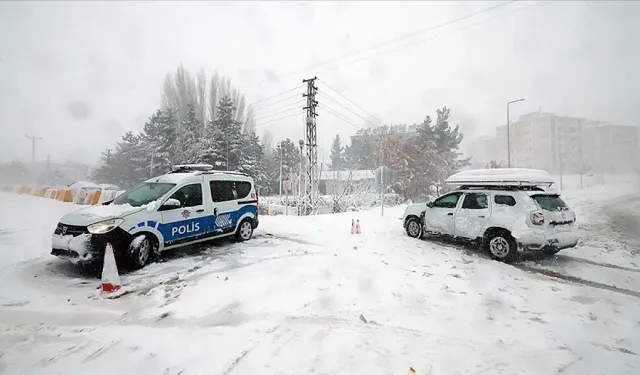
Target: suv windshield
x: 550, y: 202
x: 143, y: 193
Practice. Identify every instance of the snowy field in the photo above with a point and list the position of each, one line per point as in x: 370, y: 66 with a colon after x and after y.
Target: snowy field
x: 306, y: 297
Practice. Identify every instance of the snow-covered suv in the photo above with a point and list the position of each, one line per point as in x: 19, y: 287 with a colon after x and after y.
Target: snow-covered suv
x: 505, y: 210
x: 191, y: 204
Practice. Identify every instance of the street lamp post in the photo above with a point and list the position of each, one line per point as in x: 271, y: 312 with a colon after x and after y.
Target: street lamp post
x: 508, y: 132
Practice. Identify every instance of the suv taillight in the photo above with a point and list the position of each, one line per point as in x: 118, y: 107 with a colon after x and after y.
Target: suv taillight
x: 537, y: 218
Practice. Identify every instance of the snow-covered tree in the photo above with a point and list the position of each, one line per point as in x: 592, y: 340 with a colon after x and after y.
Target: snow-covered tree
x: 126, y: 166
x: 159, y: 141
x: 190, y: 136
x: 337, y: 154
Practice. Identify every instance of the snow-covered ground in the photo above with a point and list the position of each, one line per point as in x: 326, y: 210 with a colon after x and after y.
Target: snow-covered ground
x: 305, y: 296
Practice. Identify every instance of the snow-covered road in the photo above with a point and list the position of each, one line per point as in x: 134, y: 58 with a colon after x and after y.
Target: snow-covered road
x: 305, y: 297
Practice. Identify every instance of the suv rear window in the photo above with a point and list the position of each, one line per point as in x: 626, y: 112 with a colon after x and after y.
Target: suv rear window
x: 550, y: 202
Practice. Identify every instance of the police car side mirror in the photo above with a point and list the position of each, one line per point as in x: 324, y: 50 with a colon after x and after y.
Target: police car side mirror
x: 430, y: 204
x: 170, y: 204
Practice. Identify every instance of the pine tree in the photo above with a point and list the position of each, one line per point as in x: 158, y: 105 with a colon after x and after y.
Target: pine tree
x: 190, y: 137
x: 223, y: 137
x: 127, y: 165
x: 159, y: 140
x: 337, y: 154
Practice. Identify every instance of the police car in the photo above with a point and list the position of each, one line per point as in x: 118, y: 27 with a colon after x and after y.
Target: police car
x: 190, y: 204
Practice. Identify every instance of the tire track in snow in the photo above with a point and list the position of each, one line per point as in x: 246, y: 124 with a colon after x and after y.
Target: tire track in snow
x: 606, y: 265
x: 555, y: 274
x: 577, y: 280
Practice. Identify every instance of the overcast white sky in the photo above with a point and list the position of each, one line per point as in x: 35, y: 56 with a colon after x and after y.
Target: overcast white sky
x: 80, y: 74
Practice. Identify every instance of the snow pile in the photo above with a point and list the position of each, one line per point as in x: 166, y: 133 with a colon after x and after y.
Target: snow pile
x: 26, y: 226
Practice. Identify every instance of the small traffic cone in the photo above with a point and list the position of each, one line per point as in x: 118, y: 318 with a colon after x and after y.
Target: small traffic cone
x: 353, y: 226
x: 358, y: 226
x: 110, y: 277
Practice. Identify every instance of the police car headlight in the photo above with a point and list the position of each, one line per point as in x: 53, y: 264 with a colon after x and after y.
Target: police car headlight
x: 104, y: 226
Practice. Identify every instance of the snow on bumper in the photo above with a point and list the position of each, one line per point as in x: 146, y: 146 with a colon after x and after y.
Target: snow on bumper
x: 76, y: 249
x: 550, y: 239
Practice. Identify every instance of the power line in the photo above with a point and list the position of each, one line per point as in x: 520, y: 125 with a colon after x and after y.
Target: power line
x: 433, y: 37
x: 279, y: 101
x: 341, y: 116
x: 278, y: 113
x: 278, y: 119
x: 409, y: 35
x: 287, y: 105
x: 276, y: 95
x: 347, y: 108
x: 350, y: 101
x: 395, y: 40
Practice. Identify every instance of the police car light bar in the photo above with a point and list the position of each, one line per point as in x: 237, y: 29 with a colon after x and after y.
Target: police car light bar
x: 192, y: 167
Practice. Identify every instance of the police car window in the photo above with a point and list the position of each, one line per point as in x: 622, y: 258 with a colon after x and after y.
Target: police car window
x: 143, y: 193
x: 243, y: 188
x: 475, y: 202
x: 447, y: 201
x: 189, y: 196
x: 223, y: 191
x: 506, y: 200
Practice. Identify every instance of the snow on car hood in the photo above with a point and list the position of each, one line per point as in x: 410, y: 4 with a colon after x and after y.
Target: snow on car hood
x: 94, y: 214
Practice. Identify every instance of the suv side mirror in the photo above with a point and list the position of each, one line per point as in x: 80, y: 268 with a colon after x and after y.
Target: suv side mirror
x: 430, y: 204
x: 170, y: 204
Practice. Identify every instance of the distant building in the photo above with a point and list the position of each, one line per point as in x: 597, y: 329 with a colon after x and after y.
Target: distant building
x: 560, y: 144
x: 398, y: 131
x: 338, y: 182
x: 611, y: 148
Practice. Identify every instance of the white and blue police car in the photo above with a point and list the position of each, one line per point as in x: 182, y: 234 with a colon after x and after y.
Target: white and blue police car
x: 191, y: 204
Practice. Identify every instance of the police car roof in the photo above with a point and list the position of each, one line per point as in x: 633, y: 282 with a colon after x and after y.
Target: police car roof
x: 179, y: 177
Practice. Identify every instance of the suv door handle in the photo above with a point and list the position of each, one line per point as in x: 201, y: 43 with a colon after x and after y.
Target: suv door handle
x: 200, y: 210
x: 215, y: 212
x: 450, y: 214
x: 481, y: 216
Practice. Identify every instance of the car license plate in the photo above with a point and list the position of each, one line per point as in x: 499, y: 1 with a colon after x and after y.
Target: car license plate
x: 563, y: 228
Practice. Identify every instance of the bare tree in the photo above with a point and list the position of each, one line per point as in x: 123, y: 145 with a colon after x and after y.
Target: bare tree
x: 201, y: 92
x: 179, y: 90
x: 267, y: 142
x: 249, y: 125
x: 214, y: 94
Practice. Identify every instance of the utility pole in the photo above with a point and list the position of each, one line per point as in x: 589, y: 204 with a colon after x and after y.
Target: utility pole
x: 33, y: 139
x: 311, y: 141
x: 108, y: 156
x: 301, y: 143
x: 508, y: 130
x: 280, y: 184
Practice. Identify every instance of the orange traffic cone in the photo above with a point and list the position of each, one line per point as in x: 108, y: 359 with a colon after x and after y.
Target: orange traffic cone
x: 353, y: 226
x: 110, y: 277
x: 358, y: 226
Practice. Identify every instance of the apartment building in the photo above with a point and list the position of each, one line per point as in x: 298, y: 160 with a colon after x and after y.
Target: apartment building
x: 611, y: 148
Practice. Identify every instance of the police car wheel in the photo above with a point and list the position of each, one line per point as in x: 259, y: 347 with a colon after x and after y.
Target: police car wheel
x: 141, y: 254
x: 244, y: 231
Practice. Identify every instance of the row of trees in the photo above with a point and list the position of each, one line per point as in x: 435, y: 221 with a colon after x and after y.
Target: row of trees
x: 204, y: 119
x: 417, y: 162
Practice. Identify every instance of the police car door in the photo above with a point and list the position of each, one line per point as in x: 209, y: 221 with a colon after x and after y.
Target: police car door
x: 187, y: 223
x: 225, y: 205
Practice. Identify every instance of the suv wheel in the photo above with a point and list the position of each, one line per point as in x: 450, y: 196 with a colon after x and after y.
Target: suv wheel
x: 502, y: 247
x: 244, y: 231
x: 413, y: 227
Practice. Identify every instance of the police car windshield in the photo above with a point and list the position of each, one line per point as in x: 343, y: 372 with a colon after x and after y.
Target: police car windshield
x: 143, y: 193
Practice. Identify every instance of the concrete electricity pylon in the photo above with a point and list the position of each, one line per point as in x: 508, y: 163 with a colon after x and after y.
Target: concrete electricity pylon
x: 311, y: 141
